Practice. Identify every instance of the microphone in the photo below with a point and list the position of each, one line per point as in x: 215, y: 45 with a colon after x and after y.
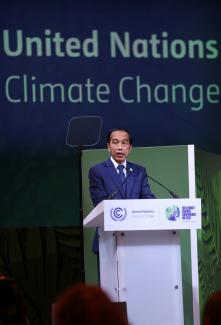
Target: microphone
x: 129, y: 170
x: 163, y: 186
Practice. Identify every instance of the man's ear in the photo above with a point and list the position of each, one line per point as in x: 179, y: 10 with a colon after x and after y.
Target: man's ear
x: 130, y: 148
x: 108, y: 147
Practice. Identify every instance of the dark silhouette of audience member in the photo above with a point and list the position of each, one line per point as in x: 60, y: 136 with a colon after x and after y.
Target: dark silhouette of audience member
x: 12, y: 309
x: 86, y: 304
x: 212, y: 310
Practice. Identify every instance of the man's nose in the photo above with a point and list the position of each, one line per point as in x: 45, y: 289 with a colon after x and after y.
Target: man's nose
x: 119, y: 145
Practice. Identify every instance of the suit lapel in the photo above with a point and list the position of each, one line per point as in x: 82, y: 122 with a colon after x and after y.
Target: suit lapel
x: 130, y: 180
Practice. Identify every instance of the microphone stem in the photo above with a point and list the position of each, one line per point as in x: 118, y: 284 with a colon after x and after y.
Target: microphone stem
x: 110, y: 197
x: 167, y: 189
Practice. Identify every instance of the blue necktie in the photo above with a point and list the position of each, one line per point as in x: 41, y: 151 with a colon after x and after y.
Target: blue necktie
x: 121, y: 172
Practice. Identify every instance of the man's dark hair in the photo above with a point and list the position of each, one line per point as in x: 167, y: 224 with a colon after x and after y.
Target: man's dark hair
x: 119, y: 129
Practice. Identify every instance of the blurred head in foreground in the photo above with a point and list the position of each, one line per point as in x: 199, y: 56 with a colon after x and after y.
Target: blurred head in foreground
x: 212, y: 310
x: 84, y: 304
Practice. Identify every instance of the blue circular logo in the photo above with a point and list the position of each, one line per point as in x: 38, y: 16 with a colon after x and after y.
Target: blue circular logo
x: 118, y: 214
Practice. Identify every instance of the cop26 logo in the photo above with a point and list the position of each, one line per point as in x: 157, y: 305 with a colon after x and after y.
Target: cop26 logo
x: 172, y: 213
x: 118, y: 214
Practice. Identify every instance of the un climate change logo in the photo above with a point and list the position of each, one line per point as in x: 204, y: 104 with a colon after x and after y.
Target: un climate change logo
x: 172, y: 213
x: 118, y: 214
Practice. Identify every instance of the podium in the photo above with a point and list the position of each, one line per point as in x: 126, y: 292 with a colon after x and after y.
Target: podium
x: 140, y: 259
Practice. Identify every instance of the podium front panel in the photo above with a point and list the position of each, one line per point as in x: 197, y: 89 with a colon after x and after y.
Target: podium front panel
x: 144, y: 269
x: 108, y: 263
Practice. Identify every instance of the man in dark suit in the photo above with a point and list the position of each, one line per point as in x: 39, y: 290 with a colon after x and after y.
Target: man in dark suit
x: 116, y: 177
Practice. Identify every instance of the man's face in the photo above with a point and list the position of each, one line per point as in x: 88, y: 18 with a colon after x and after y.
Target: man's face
x: 119, y: 146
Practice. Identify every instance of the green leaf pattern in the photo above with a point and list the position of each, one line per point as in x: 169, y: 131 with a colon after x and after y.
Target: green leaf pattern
x: 209, y: 248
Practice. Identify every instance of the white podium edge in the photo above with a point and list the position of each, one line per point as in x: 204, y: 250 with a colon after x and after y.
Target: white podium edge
x: 193, y: 239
